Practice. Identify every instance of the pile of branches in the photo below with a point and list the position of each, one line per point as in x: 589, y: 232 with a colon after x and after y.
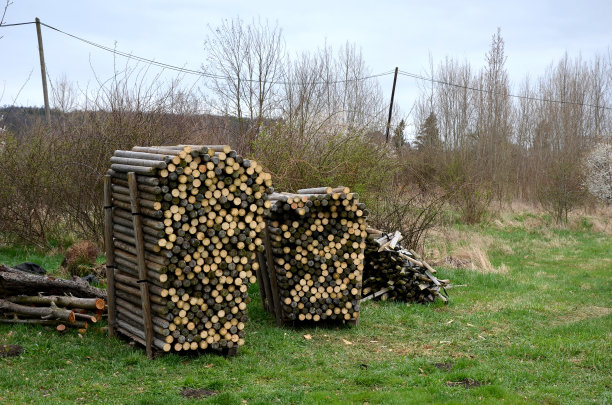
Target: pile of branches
x: 37, y: 299
x: 394, y: 273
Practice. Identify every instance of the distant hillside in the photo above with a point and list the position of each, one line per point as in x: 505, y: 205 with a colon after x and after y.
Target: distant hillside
x: 205, y: 128
x: 14, y: 118
x: 19, y: 119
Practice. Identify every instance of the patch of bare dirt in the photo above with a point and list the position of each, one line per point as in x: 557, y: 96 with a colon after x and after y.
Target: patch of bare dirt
x: 465, y: 383
x: 580, y: 314
x: 195, y: 393
x: 444, y: 366
x: 11, y: 350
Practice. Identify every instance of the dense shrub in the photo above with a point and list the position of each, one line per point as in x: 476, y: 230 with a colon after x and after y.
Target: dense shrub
x: 562, y: 189
x: 51, y: 176
x: 30, y: 187
x: 468, y: 191
x: 406, y: 209
x: 80, y: 258
x: 355, y: 160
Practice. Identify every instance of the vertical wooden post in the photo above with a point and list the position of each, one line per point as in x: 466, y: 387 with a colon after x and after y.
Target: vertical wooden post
x: 260, y: 281
x: 391, y: 106
x: 142, y: 270
x: 110, y: 254
x: 265, y: 278
x: 43, y: 71
x: 273, y: 283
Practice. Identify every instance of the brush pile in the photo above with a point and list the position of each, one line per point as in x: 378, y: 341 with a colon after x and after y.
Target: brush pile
x: 394, y: 273
x: 183, y: 226
x: 38, y: 299
x: 314, y: 255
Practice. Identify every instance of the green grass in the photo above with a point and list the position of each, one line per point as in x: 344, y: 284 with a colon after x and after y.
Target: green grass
x: 540, y: 332
x: 14, y: 255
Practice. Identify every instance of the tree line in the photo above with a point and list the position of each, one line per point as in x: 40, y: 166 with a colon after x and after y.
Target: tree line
x: 318, y: 118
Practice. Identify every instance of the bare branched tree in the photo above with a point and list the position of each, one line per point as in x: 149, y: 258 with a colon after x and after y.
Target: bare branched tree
x: 325, y: 92
x: 246, y: 62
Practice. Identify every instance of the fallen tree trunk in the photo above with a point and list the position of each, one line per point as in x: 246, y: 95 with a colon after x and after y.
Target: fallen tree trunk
x: 13, y: 282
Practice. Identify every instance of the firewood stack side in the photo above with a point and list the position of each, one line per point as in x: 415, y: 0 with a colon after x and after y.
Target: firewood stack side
x: 394, y: 273
x: 313, y: 266
x: 183, y: 225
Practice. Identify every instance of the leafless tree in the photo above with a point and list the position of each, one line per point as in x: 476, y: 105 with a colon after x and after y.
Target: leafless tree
x: 245, y: 61
x: 327, y: 92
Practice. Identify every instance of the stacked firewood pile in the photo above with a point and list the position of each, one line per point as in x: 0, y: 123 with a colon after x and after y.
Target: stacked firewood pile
x: 38, y: 299
x: 314, y: 255
x: 394, y: 273
x: 183, y: 227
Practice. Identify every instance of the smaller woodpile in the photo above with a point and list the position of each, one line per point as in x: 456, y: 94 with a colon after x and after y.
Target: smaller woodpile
x: 394, y: 273
x: 314, y: 256
x: 36, y: 299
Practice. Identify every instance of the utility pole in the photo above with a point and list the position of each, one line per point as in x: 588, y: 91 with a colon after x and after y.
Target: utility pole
x: 391, y: 105
x: 43, y: 71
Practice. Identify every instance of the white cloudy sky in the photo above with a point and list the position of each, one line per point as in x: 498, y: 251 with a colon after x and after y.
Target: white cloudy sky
x: 390, y: 33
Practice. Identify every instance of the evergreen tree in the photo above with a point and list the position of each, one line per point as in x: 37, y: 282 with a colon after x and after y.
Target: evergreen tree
x: 398, y: 135
x: 428, y: 136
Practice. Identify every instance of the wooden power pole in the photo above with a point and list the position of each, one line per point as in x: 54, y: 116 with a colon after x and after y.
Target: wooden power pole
x: 391, y: 105
x: 43, y: 71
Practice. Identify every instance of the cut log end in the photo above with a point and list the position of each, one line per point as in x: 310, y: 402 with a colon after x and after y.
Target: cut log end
x: 100, y: 304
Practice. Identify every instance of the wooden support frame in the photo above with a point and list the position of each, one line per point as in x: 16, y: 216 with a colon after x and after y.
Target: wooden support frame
x: 110, y: 255
x: 259, y: 273
x: 263, y: 282
x: 142, y: 267
x: 278, y: 311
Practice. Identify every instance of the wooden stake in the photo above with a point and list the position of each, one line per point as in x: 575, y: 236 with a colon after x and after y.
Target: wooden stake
x: 142, y: 269
x: 110, y: 256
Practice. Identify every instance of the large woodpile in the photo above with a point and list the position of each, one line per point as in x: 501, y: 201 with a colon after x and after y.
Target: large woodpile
x: 314, y: 256
x: 183, y: 227
x: 394, y: 273
x: 39, y: 299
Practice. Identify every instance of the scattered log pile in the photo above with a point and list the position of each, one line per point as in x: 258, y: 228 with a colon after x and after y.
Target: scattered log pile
x: 314, y: 256
x: 16, y: 282
x: 394, y: 273
x: 183, y: 225
x: 35, y: 299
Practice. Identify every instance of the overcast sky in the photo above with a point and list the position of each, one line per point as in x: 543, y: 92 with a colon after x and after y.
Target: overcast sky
x: 390, y: 33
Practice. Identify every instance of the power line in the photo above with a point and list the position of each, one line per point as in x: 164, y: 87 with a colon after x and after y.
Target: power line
x: 461, y: 86
x: 339, y: 81
x: 198, y: 72
x: 16, y: 24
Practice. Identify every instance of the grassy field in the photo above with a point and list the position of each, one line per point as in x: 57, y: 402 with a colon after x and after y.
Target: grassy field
x: 530, y: 323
